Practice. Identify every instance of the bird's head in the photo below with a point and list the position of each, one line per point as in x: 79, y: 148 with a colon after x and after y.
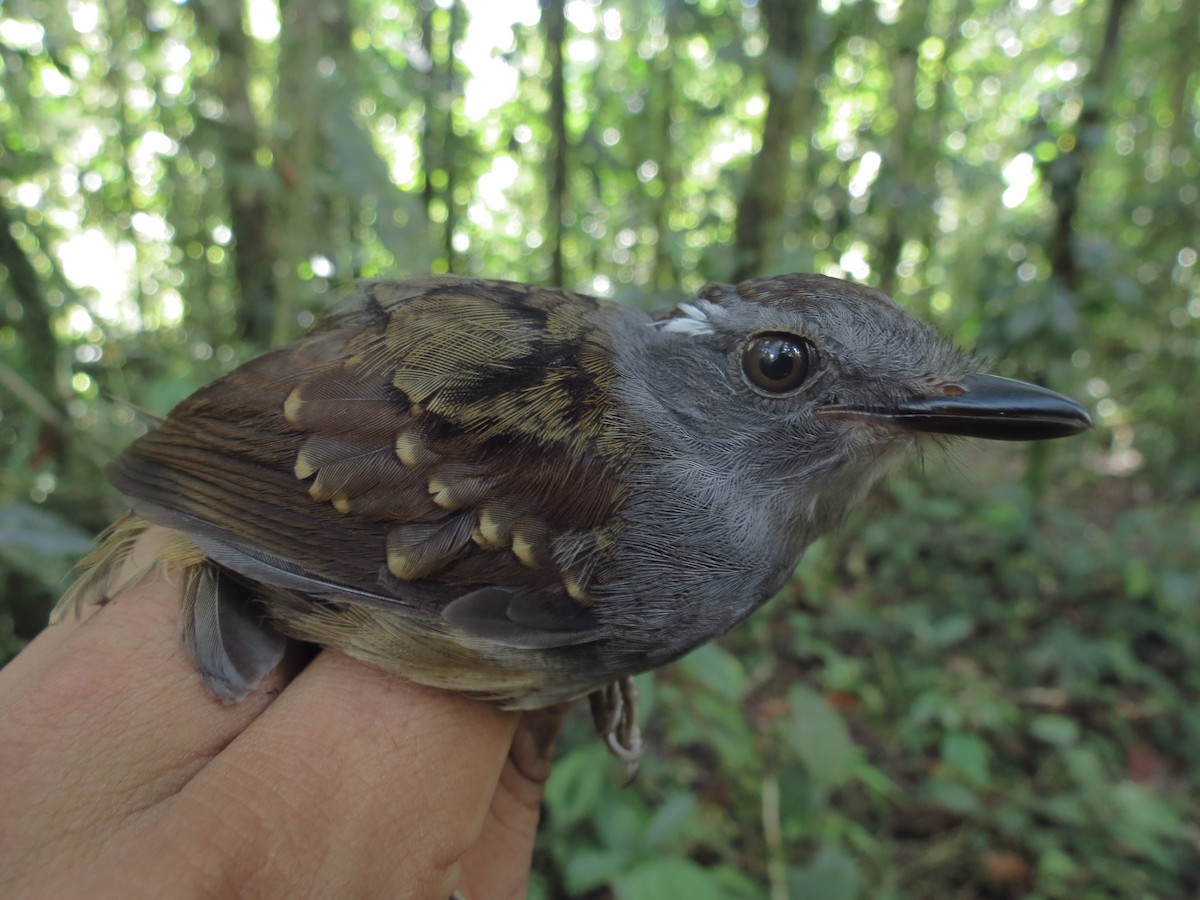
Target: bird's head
x: 809, y: 387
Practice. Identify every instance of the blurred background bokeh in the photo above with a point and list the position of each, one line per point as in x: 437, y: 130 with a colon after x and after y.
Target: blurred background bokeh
x: 988, y: 685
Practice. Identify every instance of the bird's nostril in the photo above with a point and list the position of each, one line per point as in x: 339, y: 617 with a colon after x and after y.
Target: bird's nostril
x: 953, y: 390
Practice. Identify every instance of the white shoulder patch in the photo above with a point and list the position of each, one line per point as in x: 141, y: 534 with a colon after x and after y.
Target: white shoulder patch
x: 692, y: 318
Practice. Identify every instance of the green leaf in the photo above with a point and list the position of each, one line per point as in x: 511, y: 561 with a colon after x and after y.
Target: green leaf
x: 1086, y: 768
x: 580, y: 778
x: 40, y: 544
x: 1067, y: 809
x: 27, y: 529
x: 950, y: 630
x: 1145, y: 823
x: 968, y: 754
x: 951, y: 795
x: 1055, y: 866
x: 717, y: 669
x: 820, y: 738
x: 668, y: 878
x: 670, y: 819
x: 832, y: 875
x: 1058, y: 730
x: 586, y: 870
x: 622, y: 826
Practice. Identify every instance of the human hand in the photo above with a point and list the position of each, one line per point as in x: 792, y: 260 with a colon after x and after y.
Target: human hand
x: 121, y: 776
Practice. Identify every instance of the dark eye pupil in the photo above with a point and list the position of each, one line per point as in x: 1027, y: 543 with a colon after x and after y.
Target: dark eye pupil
x: 776, y: 359
x: 777, y: 363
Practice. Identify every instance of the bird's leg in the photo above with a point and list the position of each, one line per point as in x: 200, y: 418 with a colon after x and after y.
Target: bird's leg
x: 615, y: 712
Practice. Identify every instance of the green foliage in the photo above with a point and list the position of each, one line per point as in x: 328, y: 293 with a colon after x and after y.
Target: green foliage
x: 40, y: 545
x: 38, y: 549
x: 987, y: 685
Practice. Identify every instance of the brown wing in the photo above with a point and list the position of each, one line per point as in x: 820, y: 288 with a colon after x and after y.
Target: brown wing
x: 434, y: 440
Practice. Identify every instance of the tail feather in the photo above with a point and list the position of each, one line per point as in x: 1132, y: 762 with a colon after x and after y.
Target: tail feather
x: 223, y: 629
x: 225, y: 633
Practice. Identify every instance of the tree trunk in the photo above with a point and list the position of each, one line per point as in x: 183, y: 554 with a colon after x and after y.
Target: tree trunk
x: 898, y: 187
x: 760, y: 210
x: 554, y: 29
x: 300, y: 151
x: 439, y: 142
x: 1066, y: 176
x: 34, y: 326
x: 249, y: 204
x: 1072, y: 165
x: 666, y: 273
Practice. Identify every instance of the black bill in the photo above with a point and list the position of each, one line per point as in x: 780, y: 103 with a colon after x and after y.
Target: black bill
x: 984, y: 406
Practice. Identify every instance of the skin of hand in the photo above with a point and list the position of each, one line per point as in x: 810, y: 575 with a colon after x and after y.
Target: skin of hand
x: 121, y: 776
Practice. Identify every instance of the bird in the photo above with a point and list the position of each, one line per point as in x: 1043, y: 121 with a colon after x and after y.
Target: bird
x: 531, y: 495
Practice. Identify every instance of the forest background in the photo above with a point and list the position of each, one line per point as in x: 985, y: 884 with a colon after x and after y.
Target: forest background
x: 988, y: 684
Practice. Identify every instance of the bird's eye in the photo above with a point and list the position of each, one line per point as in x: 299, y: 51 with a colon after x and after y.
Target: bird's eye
x: 777, y: 363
